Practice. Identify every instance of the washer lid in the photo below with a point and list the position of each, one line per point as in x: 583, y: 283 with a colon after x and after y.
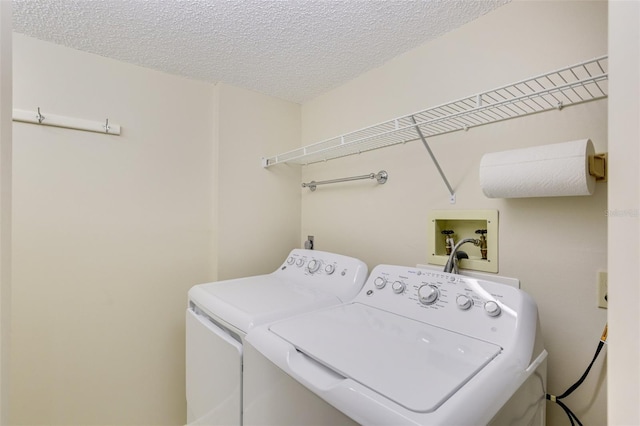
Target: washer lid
x: 414, y: 364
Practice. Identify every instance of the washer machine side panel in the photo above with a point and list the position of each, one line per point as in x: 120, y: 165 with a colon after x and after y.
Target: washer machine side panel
x: 213, y: 373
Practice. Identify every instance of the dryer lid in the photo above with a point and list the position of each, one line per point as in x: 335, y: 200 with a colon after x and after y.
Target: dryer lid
x: 246, y: 302
x: 414, y: 364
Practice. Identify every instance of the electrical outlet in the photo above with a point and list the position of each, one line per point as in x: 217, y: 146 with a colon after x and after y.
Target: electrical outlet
x: 309, y: 243
x: 602, y: 289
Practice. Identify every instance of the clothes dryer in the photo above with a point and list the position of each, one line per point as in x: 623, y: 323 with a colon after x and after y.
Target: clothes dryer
x: 415, y: 347
x: 219, y: 315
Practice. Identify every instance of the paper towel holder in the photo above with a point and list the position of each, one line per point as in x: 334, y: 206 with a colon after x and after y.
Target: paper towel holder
x: 598, y: 166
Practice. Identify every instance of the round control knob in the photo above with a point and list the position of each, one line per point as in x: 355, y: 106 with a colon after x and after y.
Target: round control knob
x: 398, y: 287
x: 299, y: 262
x: 290, y: 260
x: 464, y: 302
x: 428, y: 294
x: 313, y: 266
x: 330, y: 269
x: 492, y: 308
x: 380, y: 282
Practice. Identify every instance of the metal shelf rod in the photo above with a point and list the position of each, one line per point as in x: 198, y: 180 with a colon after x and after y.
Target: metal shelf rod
x: 435, y: 161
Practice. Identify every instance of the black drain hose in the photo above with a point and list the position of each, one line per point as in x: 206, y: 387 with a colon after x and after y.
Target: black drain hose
x: 556, y: 399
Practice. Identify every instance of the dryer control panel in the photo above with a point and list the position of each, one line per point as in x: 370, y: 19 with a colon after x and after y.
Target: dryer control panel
x: 340, y: 275
x: 473, y: 307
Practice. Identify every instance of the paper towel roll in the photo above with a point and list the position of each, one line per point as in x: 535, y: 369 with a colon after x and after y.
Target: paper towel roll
x: 544, y: 171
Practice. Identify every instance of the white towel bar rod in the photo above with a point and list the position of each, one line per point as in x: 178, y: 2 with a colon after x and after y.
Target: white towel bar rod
x: 381, y: 177
x: 65, y: 122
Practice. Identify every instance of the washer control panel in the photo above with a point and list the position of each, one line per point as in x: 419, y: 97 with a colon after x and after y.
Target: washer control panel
x: 470, y: 306
x: 342, y: 275
x: 320, y: 263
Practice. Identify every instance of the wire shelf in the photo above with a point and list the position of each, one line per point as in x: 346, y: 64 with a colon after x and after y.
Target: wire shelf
x: 575, y: 84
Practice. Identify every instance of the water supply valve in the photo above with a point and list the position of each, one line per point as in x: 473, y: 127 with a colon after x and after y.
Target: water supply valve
x: 483, y: 242
x: 448, y: 240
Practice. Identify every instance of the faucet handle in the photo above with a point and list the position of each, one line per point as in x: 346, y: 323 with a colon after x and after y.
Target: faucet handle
x: 481, y: 231
x: 447, y: 232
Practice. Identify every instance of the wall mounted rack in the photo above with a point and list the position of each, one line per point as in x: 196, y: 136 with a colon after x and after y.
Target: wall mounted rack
x: 575, y: 84
x: 36, y: 117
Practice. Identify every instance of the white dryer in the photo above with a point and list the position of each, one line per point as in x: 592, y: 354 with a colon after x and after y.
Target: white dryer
x: 414, y: 347
x: 219, y: 315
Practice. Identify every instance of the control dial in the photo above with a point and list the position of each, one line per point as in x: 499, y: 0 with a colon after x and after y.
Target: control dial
x: 464, y: 302
x: 380, y: 282
x: 492, y: 308
x: 398, y: 287
x: 313, y: 266
x: 299, y: 263
x: 290, y: 260
x: 330, y: 269
x: 428, y: 294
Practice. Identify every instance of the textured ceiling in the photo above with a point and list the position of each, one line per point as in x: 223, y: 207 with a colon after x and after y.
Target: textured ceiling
x: 291, y: 49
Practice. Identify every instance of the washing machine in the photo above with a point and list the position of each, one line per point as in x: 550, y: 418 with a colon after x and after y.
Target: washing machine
x: 220, y: 314
x: 414, y: 347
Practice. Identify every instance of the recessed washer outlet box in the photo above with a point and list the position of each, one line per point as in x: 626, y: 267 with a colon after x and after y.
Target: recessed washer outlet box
x: 464, y: 224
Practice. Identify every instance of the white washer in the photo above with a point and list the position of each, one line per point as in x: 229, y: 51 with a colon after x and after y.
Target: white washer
x: 415, y: 347
x: 220, y: 314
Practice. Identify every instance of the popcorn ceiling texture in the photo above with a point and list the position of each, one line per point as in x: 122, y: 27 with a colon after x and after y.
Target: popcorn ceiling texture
x: 290, y: 49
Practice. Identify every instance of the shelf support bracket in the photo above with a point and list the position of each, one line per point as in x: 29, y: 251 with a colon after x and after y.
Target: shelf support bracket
x: 452, y: 195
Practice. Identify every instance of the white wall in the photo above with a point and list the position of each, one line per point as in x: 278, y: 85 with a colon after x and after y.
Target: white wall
x: 110, y: 233
x: 624, y: 208
x: 5, y: 205
x: 258, y: 209
x: 555, y: 246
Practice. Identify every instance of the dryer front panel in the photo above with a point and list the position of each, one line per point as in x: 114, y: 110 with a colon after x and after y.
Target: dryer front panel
x: 213, y: 373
